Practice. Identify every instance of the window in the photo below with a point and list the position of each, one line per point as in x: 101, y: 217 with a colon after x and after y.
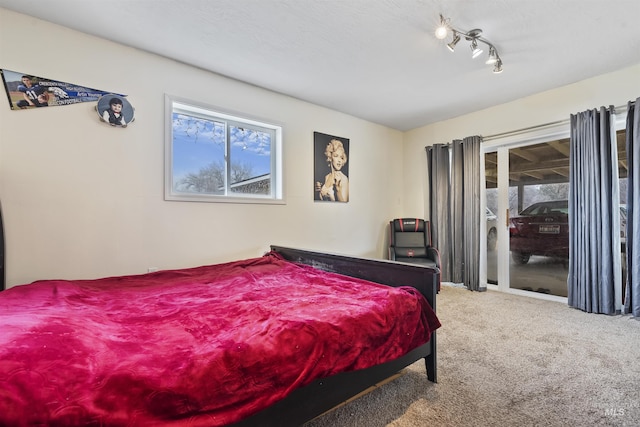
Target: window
x: 213, y: 156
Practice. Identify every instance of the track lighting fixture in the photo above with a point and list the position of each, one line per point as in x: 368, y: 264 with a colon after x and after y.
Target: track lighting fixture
x: 474, y: 37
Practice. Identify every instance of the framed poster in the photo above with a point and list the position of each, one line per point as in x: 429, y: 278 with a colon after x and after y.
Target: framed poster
x: 331, y: 170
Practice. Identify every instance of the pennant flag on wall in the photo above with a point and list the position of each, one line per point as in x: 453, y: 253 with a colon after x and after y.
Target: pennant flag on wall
x: 26, y: 91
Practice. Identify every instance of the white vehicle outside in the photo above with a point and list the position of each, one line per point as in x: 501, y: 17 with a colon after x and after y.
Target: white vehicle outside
x: 492, y: 230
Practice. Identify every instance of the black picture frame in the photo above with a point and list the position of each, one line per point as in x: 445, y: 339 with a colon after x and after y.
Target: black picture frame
x: 327, y: 171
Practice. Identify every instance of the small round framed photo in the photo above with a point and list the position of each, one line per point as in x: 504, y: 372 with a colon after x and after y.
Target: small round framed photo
x: 115, y: 110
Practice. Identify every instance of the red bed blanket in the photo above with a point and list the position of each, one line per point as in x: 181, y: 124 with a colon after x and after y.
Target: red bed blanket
x: 204, y: 346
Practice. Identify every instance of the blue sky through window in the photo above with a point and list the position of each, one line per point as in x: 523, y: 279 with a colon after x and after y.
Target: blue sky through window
x: 199, y: 142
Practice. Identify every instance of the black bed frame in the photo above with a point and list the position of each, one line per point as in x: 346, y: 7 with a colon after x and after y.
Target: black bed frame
x: 313, y: 400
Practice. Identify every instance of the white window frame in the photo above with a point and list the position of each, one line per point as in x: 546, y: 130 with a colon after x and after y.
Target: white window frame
x: 175, y: 104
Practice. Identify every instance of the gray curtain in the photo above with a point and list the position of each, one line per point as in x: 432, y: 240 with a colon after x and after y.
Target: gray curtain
x: 457, y: 217
x: 594, y: 219
x: 632, y: 286
x: 457, y: 208
x: 439, y: 201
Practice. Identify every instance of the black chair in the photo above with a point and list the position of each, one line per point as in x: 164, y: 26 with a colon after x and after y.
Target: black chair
x: 410, y: 241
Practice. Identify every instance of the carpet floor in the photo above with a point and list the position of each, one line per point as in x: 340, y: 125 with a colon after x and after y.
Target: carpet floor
x: 508, y: 360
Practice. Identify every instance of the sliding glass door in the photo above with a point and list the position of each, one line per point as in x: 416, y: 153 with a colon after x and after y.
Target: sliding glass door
x: 491, y: 210
x: 527, y: 188
x: 539, y: 217
x: 526, y: 210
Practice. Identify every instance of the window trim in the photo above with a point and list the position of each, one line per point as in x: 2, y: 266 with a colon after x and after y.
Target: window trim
x: 209, y: 112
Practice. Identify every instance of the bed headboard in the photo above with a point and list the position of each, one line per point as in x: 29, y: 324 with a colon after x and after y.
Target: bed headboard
x: 391, y: 273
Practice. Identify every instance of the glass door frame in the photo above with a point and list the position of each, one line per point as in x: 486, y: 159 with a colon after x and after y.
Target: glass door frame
x: 501, y: 144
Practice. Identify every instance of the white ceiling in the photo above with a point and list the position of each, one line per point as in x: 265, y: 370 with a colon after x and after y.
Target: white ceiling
x: 373, y: 59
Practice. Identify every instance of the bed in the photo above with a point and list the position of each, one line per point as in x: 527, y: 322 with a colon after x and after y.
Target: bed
x: 272, y: 340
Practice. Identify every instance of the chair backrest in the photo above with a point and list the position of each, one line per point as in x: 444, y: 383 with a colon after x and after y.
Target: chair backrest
x: 410, y: 237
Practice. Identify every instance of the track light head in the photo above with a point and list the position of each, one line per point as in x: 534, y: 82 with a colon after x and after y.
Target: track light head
x: 497, y: 69
x: 475, y: 50
x: 493, y: 56
x: 443, y: 29
x: 454, y: 42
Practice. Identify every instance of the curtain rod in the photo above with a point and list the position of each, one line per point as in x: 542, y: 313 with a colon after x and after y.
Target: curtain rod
x: 617, y: 110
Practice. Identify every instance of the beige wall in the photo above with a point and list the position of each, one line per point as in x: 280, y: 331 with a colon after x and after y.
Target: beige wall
x: 82, y: 199
x: 547, y: 107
